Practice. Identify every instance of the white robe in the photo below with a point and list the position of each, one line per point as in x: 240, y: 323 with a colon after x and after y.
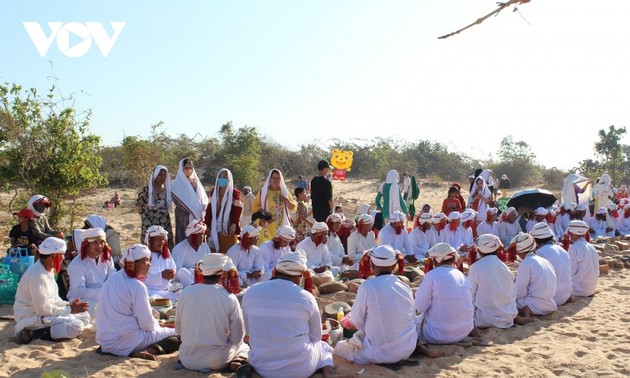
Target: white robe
x: 624, y: 225
x: 435, y: 237
x: 210, y: 323
x: 599, y: 228
x: 400, y: 243
x: 158, y: 286
x: 444, y: 301
x: 285, y: 330
x: 317, y: 256
x: 488, y: 228
x: 419, y: 242
x: 507, y: 231
x: 185, y: 258
x: 564, y: 221
x: 247, y: 262
x: 124, y: 318
x: 38, y: 305
x: 337, y: 253
x: 270, y: 257
x: 458, y: 238
x: 87, y: 278
x: 536, y: 285
x: 494, y: 293
x: 358, y: 244
x: 584, y: 268
x: 383, y: 311
x: 561, y: 262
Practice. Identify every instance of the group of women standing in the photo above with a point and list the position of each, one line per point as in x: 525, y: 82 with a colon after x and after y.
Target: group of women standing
x: 221, y: 209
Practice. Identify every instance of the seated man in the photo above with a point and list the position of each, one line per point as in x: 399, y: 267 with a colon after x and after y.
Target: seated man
x: 271, y: 250
x: 210, y: 322
x: 289, y: 343
x: 494, y: 294
x: 39, y: 312
x: 624, y: 220
x: 361, y: 240
x: 419, y: 236
x: 126, y: 326
x: 598, y: 225
x: 394, y: 234
x: 317, y: 256
x: 381, y: 300
x: 38, y: 205
x: 490, y: 225
x: 456, y: 236
x: 163, y: 267
x: 89, y: 271
x: 188, y: 252
x: 112, y: 237
x: 508, y: 227
x: 22, y: 235
x: 247, y: 258
x: 535, y: 280
x: 437, y: 234
x: 334, y: 245
x: 444, y: 300
x: 558, y: 258
x: 584, y: 260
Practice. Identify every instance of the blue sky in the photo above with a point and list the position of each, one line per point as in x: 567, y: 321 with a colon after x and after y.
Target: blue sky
x: 311, y: 71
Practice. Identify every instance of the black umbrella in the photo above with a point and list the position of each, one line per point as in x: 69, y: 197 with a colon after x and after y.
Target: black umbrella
x: 530, y: 199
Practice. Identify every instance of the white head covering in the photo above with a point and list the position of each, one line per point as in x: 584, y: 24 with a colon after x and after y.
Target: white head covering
x: 442, y: 251
x: 570, y: 206
x: 195, y: 227
x: 492, y: 210
x: 394, y: 191
x: 541, y: 211
x: 366, y: 219
x: 504, y: 177
x: 455, y: 215
x: 334, y: 217
x: 485, y: 192
x: 425, y: 218
x: 221, y: 221
x: 251, y: 230
x: 438, y: 218
x: 93, y: 233
x: 77, y: 239
x: 30, y: 203
x: 52, y: 245
x: 154, y: 231
x: 510, y: 210
x: 468, y: 214
x: 292, y: 263
x: 601, y: 210
x: 215, y: 263
x: 284, y: 191
x: 488, y: 243
x: 363, y: 208
x: 96, y: 220
x: 582, y: 207
x: 247, y: 187
x: 167, y: 186
x: 286, y: 233
x: 577, y: 227
x: 612, y: 206
x: 136, y: 252
x: 383, y: 255
x: 396, y: 216
x: 319, y: 227
x: 192, y: 197
x: 523, y: 242
x: 541, y: 230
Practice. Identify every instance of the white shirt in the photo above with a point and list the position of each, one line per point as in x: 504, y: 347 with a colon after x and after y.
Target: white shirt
x: 317, y: 256
x: 435, y: 237
x: 564, y: 221
x: 624, y: 225
x: 335, y: 248
x: 246, y: 262
x: 419, y: 242
x: 358, y: 244
x: 87, y: 277
x: 383, y: 310
x: 584, y: 267
x: 488, y: 228
x: 444, y: 300
x: 210, y: 323
x: 154, y: 282
x: 536, y: 285
x: 507, y: 231
x: 457, y: 238
x: 186, y: 257
x: 400, y: 243
x: 561, y: 262
x: 285, y: 330
x: 270, y: 255
x: 494, y: 293
x: 599, y: 226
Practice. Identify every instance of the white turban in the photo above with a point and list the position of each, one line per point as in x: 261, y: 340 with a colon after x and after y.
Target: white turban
x: 541, y: 211
x: 334, y: 217
x: 95, y: 220
x: 286, y: 233
x: 442, y: 251
x: 510, y: 210
x: 541, y: 230
x: 383, y: 255
x: 455, y: 215
x: 77, y: 238
x: 577, y: 227
x: 468, y: 214
x: 488, y: 243
x: 136, y: 252
x: 492, y: 210
x: 581, y: 207
x: 366, y: 219
x: 319, y: 227
x: 438, y: 218
x: 154, y: 231
x: 396, y: 216
x: 247, y: 187
x: 612, y: 206
x: 52, y: 245
x: 292, y: 263
x: 626, y: 206
x: 425, y: 218
x: 251, y: 230
x: 504, y: 177
x: 569, y: 206
x: 601, y: 210
x: 92, y: 234
x: 196, y: 227
x: 215, y: 263
x: 523, y: 242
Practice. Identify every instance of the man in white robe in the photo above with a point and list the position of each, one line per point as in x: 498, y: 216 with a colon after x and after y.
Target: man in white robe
x: 247, y: 258
x: 558, y: 257
x: 419, y: 236
x: 395, y: 235
x: 334, y: 245
x: 284, y: 325
x: 612, y: 219
x: 190, y: 251
x: 456, y: 236
x: 540, y: 215
x: 318, y: 258
x: 535, y: 280
x: 39, y: 311
x: 126, y: 326
x: 163, y: 267
x: 361, y: 240
x: 438, y: 234
x: 508, y: 227
x: 584, y: 260
x: 383, y: 314
x: 271, y: 250
x: 210, y: 322
x: 444, y: 300
x: 490, y: 224
x: 494, y: 293
x: 91, y: 268
x: 624, y: 220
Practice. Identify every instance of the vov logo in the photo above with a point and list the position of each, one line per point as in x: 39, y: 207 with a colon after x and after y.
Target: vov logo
x: 61, y: 32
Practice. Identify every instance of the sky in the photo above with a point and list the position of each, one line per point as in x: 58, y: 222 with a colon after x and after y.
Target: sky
x: 552, y: 74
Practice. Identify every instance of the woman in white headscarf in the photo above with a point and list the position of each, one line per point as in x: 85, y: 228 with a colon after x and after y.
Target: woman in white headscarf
x: 603, y: 191
x: 189, y: 197
x: 274, y: 197
x: 223, y: 214
x: 391, y: 195
x: 154, y: 203
x: 481, y: 197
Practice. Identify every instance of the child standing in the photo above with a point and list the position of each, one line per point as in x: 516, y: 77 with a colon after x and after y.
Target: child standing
x: 301, y: 223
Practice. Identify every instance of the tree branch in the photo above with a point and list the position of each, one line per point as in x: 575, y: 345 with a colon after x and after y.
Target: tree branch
x: 501, y: 6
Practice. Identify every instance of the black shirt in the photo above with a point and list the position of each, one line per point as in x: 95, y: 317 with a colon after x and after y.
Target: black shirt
x: 23, y: 238
x: 321, y: 193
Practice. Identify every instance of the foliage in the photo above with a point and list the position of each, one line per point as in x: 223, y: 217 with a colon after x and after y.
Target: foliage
x: 517, y: 161
x: 610, y: 149
x: 241, y: 149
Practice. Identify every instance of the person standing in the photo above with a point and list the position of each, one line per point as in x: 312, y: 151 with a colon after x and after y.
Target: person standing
x: 275, y: 199
x: 189, y: 197
x: 223, y: 214
x: 389, y: 197
x: 321, y: 193
x: 248, y: 205
x: 154, y: 203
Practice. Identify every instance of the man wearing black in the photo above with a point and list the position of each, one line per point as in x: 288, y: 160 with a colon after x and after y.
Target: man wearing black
x: 321, y: 193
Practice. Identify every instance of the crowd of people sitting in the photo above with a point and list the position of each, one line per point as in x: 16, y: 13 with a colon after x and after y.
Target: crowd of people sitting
x: 239, y: 270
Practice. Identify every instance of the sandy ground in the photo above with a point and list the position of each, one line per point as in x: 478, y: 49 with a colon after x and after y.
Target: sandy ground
x: 589, y: 337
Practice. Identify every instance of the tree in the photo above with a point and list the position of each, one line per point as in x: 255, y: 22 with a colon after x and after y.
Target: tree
x: 241, y: 149
x: 610, y: 149
x: 517, y: 161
